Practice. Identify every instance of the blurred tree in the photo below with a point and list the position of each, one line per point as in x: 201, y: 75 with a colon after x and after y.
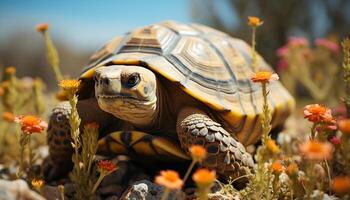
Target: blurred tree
x: 307, y: 18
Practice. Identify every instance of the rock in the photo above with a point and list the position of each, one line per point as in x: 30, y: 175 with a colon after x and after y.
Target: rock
x: 317, y: 194
x: 69, y: 190
x: 51, y: 192
x: 17, y: 190
x: 146, y: 190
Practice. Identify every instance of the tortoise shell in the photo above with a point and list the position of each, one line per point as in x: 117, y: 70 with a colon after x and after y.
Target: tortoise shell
x: 207, y: 64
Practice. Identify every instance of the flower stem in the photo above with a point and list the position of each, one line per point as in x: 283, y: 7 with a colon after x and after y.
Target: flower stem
x: 21, y: 162
x: 244, y: 176
x: 52, y: 56
x: 254, y: 63
x: 189, y: 170
x: 98, y: 182
x: 22, y: 144
x: 74, y: 122
x: 203, y: 193
x: 313, y: 131
x: 328, y: 171
x: 61, y: 190
x: 266, y: 126
x: 30, y: 153
x: 346, y: 66
x: 165, y: 194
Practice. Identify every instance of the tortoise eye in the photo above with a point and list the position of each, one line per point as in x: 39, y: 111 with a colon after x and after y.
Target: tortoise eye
x: 133, y: 80
x: 95, y: 78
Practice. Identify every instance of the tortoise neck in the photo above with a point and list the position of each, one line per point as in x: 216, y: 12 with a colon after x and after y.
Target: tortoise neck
x: 154, y: 118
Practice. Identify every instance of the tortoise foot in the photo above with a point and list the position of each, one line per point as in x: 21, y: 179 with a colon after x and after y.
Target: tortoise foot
x: 225, y: 154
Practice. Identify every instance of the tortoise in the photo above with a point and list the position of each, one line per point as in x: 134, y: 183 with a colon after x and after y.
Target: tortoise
x: 167, y: 86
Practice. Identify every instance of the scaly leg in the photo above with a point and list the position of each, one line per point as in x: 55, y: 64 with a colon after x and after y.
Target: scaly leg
x: 225, y: 154
x: 59, y: 163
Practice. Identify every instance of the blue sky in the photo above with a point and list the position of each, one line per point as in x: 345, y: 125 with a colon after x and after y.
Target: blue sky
x: 88, y: 23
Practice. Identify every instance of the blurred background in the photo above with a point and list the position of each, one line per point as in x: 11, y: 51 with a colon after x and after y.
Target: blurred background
x: 79, y: 27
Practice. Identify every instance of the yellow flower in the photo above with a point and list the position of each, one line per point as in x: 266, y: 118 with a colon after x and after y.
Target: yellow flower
x: 254, y: 21
x: 198, y: 152
x: 204, y: 177
x: 37, y: 183
x: 10, y: 70
x: 292, y: 169
x: 341, y: 184
x: 169, y: 179
x: 272, y: 146
x: 264, y: 77
x: 316, y: 151
x: 70, y: 86
x: 42, y: 27
x: 277, y: 167
x: 62, y: 96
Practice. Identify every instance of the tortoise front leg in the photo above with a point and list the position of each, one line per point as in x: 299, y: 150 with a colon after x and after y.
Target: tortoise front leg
x: 59, y: 161
x: 225, y: 154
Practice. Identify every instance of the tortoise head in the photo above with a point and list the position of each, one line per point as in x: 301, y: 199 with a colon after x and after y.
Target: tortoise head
x: 127, y: 92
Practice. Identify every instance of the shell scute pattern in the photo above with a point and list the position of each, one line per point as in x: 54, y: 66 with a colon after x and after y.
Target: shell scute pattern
x: 208, y: 65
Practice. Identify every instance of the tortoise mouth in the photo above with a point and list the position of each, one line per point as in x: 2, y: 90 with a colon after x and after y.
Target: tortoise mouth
x: 117, y: 97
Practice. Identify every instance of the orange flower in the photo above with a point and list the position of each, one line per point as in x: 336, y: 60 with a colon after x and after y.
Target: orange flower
x: 254, y: 21
x: 344, y: 126
x: 70, y: 86
x: 169, y: 179
x: 204, y: 177
x: 341, y: 184
x: 8, y: 116
x: 272, y: 146
x: 317, y: 113
x: 106, y: 166
x: 42, y: 27
x: 10, y: 70
x: 198, y: 152
x: 292, y: 169
x: 316, y: 151
x: 31, y: 124
x: 277, y: 167
x: 264, y: 77
x: 2, y: 91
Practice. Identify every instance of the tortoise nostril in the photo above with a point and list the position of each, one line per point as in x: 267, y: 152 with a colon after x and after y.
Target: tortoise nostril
x: 104, y: 81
